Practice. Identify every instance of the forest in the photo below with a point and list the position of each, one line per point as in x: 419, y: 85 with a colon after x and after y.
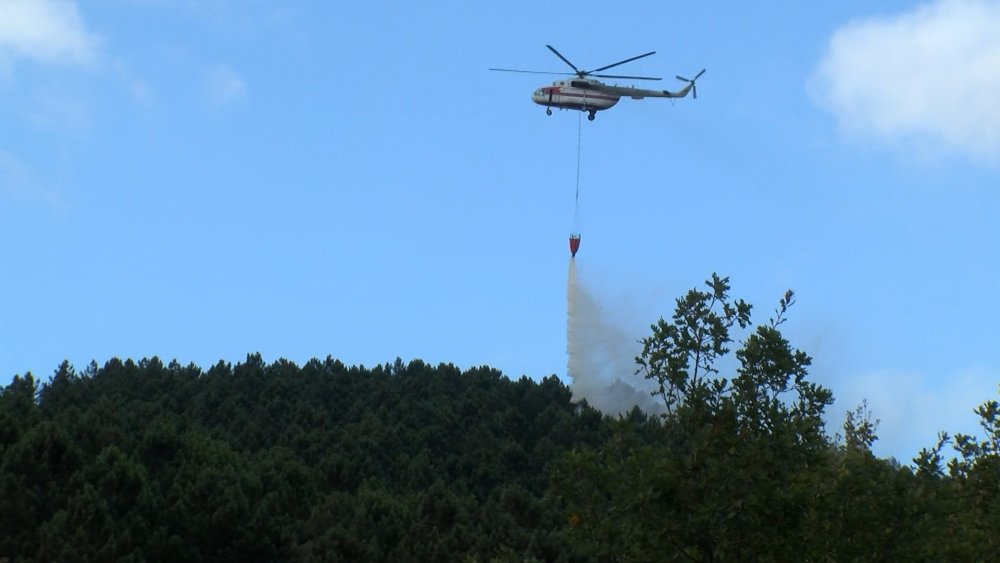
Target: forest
x: 256, y: 461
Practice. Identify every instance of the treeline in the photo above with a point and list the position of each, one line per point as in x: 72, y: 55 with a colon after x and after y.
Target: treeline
x: 271, y: 462
x: 411, y: 462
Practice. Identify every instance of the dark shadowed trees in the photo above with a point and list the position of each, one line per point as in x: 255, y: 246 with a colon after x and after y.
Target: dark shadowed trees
x: 142, y: 461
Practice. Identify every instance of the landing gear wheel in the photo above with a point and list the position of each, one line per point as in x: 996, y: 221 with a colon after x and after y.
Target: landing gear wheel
x: 548, y: 111
x: 591, y: 116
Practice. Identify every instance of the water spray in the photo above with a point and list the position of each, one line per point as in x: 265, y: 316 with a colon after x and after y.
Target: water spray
x: 600, y: 354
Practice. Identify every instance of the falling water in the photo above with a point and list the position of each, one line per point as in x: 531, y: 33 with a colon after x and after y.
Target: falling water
x: 601, y: 356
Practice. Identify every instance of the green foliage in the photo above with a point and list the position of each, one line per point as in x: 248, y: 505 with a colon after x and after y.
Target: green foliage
x: 741, y: 469
x: 141, y: 461
x: 681, y: 355
x: 859, y: 429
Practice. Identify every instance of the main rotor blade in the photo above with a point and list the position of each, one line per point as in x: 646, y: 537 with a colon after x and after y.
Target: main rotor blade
x: 564, y: 59
x: 625, y: 77
x: 531, y: 71
x: 619, y: 62
x: 696, y: 77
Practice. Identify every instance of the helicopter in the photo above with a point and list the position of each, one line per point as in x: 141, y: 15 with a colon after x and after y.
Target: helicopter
x: 587, y: 94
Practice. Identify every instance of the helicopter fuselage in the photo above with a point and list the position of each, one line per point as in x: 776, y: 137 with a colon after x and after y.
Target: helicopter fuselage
x: 579, y: 94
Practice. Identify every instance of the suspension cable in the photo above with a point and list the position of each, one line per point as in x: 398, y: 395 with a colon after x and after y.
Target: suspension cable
x: 579, y: 129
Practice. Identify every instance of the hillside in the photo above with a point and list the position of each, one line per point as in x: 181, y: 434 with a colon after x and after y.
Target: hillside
x: 411, y: 462
x: 265, y: 462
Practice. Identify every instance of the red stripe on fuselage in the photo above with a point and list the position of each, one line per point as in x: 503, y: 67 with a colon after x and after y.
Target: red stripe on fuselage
x: 556, y: 91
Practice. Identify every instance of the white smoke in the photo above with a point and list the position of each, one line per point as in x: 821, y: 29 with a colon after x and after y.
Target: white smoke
x: 602, y: 356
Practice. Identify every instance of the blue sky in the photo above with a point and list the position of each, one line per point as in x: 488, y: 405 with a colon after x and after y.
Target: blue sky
x: 198, y: 180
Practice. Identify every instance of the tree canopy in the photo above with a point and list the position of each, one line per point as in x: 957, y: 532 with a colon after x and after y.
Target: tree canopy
x: 141, y: 461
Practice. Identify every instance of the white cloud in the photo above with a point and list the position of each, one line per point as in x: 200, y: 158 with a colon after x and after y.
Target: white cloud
x: 928, y: 75
x: 49, y: 31
x: 225, y: 86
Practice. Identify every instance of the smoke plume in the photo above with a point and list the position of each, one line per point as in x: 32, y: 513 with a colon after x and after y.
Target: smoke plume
x: 602, y: 356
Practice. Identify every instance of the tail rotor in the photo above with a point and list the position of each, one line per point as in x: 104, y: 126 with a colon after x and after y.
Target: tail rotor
x: 691, y: 82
